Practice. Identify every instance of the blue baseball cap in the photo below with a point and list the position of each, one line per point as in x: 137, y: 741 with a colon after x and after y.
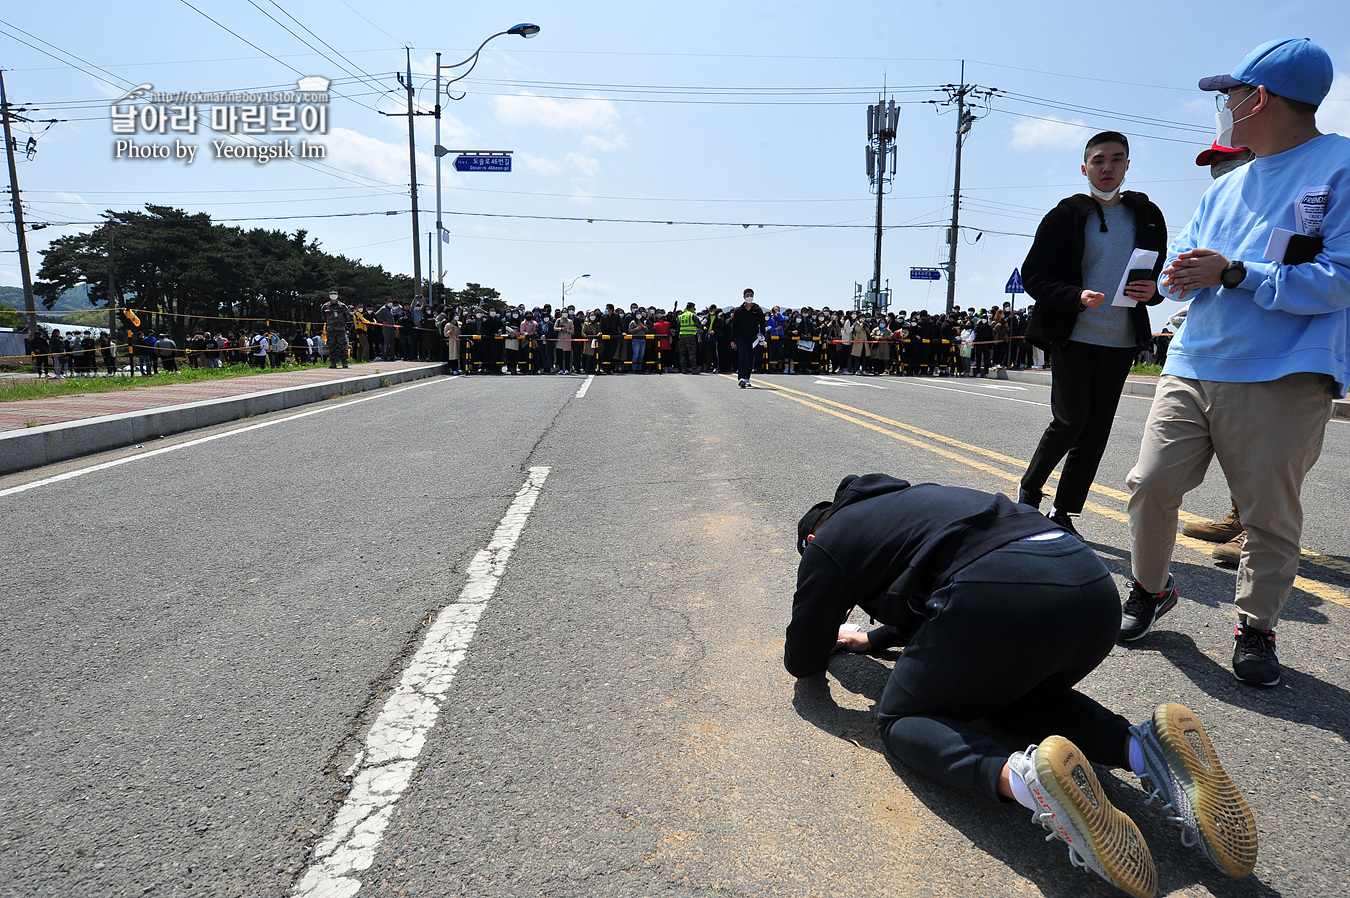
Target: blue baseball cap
x: 1295, y: 68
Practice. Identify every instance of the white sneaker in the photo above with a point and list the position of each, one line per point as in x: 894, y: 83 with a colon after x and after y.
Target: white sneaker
x: 1076, y: 811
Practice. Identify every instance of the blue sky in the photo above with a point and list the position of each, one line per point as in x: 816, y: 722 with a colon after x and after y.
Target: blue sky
x: 708, y: 115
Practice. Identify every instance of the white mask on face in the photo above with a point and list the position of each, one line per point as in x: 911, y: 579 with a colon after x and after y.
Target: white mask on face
x: 1223, y: 122
x: 1105, y: 196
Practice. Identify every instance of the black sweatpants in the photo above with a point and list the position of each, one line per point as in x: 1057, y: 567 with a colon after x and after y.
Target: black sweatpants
x: 744, y: 358
x: 1085, y: 386
x: 1006, y: 640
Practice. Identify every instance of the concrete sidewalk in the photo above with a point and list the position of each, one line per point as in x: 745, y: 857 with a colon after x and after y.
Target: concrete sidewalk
x: 37, y: 432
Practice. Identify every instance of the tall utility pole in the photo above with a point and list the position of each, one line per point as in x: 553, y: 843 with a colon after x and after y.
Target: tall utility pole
x: 964, y: 96
x: 437, y: 289
x: 24, y: 273
x: 882, y: 120
x: 412, y: 174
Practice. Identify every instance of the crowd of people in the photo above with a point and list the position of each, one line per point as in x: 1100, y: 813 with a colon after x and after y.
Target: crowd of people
x: 84, y: 353
x: 643, y: 339
x: 539, y: 340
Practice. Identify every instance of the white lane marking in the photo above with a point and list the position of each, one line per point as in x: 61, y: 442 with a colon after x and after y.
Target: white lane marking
x: 919, y: 383
x: 103, y: 466
x: 837, y: 382
x: 997, y: 386
x: 386, y: 762
x: 585, y: 385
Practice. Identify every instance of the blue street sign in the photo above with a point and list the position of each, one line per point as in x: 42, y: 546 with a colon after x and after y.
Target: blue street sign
x: 925, y: 274
x: 1014, y: 284
x: 482, y: 163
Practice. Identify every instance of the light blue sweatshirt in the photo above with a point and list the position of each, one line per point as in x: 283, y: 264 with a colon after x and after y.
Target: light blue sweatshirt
x: 1282, y: 319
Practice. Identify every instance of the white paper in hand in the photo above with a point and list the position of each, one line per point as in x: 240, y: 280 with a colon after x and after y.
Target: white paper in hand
x: 1140, y: 258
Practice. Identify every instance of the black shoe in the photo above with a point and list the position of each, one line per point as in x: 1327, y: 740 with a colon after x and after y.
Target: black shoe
x: 1143, y: 608
x: 1254, y: 661
x: 1027, y: 497
x: 1062, y: 520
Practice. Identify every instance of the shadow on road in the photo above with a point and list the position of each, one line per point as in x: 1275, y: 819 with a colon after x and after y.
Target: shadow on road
x: 1006, y: 831
x: 1213, y: 585
x: 1300, y: 698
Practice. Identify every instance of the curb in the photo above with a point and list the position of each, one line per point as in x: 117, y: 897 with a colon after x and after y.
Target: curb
x: 51, y: 443
x: 1340, y: 409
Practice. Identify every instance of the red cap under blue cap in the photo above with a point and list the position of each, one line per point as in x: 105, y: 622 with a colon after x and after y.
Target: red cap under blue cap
x: 1295, y: 68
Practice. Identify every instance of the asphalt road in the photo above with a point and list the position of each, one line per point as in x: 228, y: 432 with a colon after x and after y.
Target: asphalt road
x: 207, y: 635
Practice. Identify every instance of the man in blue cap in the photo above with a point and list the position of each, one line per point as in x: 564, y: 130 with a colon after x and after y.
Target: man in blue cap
x: 1252, y: 373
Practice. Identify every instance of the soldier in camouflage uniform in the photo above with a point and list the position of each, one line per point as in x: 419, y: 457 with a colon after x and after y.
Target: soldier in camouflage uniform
x: 336, y: 315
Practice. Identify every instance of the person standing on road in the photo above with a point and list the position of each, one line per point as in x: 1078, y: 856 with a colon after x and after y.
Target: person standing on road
x: 637, y: 331
x: 388, y: 332
x: 336, y: 315
x: 955, y: 574
x: 1228, y: 531
x: 687, y: 328
x: 450, y: 331
x: 362, y: 325
x: 661, y: 330
x: 105, y: 348
x: 1252, y: 374
x: 747, y: 328
x: 1083, y: 248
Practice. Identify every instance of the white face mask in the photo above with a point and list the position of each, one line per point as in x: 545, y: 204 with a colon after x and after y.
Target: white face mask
x: 1223, y: 122
x: 1104, y: 195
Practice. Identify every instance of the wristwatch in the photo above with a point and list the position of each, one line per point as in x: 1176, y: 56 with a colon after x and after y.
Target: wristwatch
x: 1234, y: 273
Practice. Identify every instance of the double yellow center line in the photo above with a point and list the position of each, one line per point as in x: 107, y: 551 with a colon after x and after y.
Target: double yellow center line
x: 1001, y: 466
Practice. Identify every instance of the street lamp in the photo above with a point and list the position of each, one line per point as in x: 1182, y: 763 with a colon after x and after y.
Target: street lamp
x: 525, y: 29
x: 568, y: 286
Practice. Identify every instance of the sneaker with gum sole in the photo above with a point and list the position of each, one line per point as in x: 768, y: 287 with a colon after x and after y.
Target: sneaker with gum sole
x: 1076, y: 811
x: 1184, y: 774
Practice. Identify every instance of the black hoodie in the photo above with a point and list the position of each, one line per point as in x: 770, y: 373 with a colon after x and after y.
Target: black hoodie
x: 885, y: 547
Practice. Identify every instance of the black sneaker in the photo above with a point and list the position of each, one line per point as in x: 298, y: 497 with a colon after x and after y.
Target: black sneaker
x: 1026, y: 497
x: 1062, y: 520
x: 1143, y: 608
x: 1254, y: 661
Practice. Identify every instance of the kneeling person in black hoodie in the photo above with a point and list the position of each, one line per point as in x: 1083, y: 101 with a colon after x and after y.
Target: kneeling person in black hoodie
x: 1001, y: 613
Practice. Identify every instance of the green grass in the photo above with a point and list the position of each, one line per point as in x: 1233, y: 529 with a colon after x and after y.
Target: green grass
x: 13, y: 390
x: 1146, y: 369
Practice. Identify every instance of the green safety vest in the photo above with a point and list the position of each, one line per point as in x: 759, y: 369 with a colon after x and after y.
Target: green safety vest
x: 688, y: 323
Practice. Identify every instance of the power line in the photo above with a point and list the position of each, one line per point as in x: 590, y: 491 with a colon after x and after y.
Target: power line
x: 370, y: 78
x: 373, y: 25
x: 242, y: 38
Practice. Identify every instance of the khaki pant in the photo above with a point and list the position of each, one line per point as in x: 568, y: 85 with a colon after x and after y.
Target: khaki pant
x: 1267, y: 436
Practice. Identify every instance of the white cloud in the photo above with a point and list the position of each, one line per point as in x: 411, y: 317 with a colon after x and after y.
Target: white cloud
x: 592, y: 115
x: 537, y: 164
x: 605, y: 144
x: 585, y: 166
x: 1053, y: 133
x: 1334, y: 113
x: 354, y: 151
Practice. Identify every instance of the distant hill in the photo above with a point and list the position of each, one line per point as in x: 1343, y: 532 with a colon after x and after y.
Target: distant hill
x: 76, y: 300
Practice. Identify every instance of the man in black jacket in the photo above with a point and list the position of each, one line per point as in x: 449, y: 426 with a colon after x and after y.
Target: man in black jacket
x: 1001, y: 613
x: 747, y: 323
x: 1082, y: 249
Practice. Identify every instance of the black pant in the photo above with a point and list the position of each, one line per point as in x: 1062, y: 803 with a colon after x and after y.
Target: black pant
x: 744, y: 359
x: 1006, y: 640
x: 1085, y: 386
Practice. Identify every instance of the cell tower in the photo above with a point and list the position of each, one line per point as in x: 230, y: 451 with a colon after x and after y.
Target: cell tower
x: 882, y: 120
